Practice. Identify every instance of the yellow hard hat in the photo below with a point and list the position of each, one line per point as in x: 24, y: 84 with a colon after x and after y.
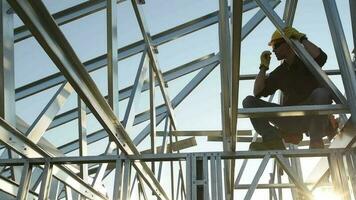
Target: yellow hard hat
x: 276, y: 36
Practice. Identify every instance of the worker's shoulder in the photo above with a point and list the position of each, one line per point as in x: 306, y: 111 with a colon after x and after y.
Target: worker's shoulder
x: 279, y: 69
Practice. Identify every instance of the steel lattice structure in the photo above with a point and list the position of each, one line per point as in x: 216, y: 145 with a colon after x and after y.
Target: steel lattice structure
x: 33, y: 168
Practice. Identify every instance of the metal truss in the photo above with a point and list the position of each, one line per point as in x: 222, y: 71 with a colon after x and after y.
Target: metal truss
x: 31, y: 167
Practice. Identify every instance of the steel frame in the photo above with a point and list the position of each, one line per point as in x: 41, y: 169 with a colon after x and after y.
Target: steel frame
x: 32, y: 167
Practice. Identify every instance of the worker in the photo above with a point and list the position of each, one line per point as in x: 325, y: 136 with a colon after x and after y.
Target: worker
x: 299, y: 87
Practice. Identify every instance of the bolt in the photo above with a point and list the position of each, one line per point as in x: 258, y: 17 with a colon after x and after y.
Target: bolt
x: 10, y: 11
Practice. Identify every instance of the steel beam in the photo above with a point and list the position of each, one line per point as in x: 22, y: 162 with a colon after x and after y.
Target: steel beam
x: 83, y: 140
x: 152, y: 116
x: 25, y: 182
x: 45, y: 118
x: 353, y: 22
x: 50, y: 37
x: 287, y: 111
x: 342, y: 55
x: 46, y: 181
x: 7, y: 73
x: 113, y: 82
x: 18, y: 142
x: 289, y: 11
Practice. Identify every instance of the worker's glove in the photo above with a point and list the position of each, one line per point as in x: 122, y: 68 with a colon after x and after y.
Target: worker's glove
x: 292, y: 33
x: 265, y: 60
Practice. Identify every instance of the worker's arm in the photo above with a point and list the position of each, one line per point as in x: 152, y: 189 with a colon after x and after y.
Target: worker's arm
x: 313, y: 50
x: 264, y: 66
x: 259, y: 82
x: 293, y: 33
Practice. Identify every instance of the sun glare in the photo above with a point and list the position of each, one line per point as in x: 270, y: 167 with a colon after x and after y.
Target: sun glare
x: 326, y: 194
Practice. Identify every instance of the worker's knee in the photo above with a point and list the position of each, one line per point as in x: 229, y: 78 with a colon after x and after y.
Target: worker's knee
x: 320, y: 96
x: 249, y: 101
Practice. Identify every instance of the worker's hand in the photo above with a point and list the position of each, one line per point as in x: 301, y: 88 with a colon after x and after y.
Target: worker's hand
x: 265, y: 60
x: 292, y: 33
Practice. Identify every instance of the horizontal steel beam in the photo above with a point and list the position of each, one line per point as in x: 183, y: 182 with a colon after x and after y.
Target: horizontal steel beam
x: 212, y: 133
x: 287, y: 111
x: 303, y: 153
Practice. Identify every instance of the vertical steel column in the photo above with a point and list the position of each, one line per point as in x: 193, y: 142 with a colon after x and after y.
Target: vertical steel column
x: 235, y: 73
x: 213, y: 180
x: 171, y: 164
x: 83, y: 145
x: 126, y: 180
x: 113, y: 83
x: 219, y: 176
x: 55, y: 189
x: 342, y: 55
x: 118, y: 180
x: 353, y: 21
x: 289, y: 11
x: 279, y: 181
x: 206, y: 177
x: 25, y: 181
x: 225, y: 78
x: 152, y: 115
x: 46, y: 181
x: 7, y: 73
x: 188, y: 173
x: 194, y: 177
x: 236, y: 53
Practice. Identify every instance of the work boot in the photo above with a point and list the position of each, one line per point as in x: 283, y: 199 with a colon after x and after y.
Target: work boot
x: 316, y: 144
x: 276, y: 144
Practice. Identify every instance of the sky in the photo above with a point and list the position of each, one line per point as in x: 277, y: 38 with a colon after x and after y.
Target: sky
x: 201, y: 109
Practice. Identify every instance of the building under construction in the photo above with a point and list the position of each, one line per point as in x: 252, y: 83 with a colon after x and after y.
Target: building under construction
x: 135, y: 99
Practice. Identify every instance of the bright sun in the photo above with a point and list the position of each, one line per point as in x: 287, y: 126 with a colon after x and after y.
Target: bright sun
x: 326, y: 194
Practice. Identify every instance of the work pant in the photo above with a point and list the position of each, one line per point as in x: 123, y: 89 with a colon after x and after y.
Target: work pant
x: 316, y: 125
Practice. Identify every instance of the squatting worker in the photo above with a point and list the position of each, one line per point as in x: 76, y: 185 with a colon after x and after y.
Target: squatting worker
x: 299, y: 87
